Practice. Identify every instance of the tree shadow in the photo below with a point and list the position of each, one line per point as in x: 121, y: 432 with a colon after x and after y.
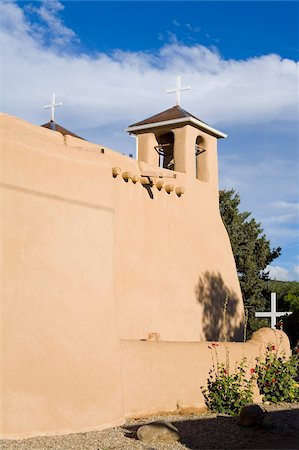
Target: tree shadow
x: 211, y: 293
x: 279, y: 430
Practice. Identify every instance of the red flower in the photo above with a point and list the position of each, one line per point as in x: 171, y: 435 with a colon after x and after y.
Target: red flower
x: 274, y: 380
x: 214, y: 344
x: 225, y: 371
x: 273, y: 347
x: 297, y: 349
x: 252, y: 371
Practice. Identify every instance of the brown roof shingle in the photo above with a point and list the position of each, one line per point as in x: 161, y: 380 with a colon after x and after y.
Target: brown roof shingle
x: 54, y: 126
x: 170, y: 114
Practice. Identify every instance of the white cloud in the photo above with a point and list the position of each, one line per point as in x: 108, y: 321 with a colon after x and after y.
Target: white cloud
x: 281, y: 218
x: 286, y: 206
x: 176, y: 23
x: 191, y: 28
x: 48, y: 13
x: 105, y: 92
x: 127, y: 86
x: 278, y: 273
x: 282, y: 274
x: 12, y: 18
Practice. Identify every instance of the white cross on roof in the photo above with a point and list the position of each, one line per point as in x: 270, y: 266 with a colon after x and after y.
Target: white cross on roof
x: 273, y: 314
x: 53, y: 105
x: 178, y: 90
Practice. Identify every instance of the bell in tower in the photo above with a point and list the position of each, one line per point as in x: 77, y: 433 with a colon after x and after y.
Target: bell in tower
x: 176, y: 140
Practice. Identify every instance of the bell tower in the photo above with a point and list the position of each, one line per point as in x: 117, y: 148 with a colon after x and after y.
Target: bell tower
x: 176, y: 140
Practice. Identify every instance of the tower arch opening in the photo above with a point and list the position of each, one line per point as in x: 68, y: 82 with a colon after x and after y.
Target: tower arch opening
x: 201, y: 162
x: 165, y: 150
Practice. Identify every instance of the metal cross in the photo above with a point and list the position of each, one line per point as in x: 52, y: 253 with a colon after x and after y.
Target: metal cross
x: 273, y: 314
x: 53, y: 105
x: 178, y: 90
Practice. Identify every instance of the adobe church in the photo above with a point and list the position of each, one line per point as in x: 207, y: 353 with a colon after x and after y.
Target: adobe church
x: 115, y: 273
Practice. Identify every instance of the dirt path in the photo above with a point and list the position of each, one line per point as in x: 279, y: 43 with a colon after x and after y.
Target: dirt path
x: 280, y: 430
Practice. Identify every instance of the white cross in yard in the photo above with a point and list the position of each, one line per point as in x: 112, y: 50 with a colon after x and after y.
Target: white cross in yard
x: 53, y: 105
x: 178, y: 90
x: 273, y: 314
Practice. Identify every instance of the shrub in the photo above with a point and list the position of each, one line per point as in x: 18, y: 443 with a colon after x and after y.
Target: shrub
x: 228, y: 392
x: 275, y: 375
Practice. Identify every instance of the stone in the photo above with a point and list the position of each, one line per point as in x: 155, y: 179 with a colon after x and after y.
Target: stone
x: 186, y: 409
x: 251, y: 415
x: 158, y: 432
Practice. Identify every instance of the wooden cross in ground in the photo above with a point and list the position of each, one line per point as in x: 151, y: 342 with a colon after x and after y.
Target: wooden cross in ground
x: 273, y: 314
x: 178, y: 90
x: 53, y: 105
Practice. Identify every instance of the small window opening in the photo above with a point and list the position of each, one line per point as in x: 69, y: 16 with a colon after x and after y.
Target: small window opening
x: 165, y: 150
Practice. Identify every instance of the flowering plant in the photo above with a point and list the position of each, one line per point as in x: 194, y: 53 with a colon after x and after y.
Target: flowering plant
x: 276, y: 375
x: 228, y: 392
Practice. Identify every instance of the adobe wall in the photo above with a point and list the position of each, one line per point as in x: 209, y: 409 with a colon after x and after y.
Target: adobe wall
x: 89, y: 259
x: 60, y: 352
x: 167, y: 376
x: 173, y: 259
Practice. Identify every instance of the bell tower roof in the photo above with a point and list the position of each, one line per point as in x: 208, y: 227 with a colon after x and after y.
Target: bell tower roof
x: 175, y: 116
x: 55, y: 127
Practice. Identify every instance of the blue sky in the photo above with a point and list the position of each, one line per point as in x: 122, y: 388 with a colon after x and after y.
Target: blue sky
x: 140, y: 26
x: 111, y: 63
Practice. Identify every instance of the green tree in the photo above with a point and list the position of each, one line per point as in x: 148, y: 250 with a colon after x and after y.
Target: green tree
x: 252, y: 254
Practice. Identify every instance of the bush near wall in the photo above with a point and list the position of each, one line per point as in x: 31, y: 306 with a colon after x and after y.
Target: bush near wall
x: 275, y: 372
x: 276, y: 375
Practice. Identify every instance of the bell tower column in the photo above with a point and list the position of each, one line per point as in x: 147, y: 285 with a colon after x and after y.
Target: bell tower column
x: 184, y: 149
x: 146, y: 148
x: 207, y: 162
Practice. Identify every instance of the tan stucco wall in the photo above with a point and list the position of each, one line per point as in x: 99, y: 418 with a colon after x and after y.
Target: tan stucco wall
x: 89, y: 259
x: 168, y: 259
x: 167, y: 376
x: 60, y: 353
x: 173, y: 259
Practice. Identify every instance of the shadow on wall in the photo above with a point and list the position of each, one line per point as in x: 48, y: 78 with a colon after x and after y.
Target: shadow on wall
x: 211, y: 293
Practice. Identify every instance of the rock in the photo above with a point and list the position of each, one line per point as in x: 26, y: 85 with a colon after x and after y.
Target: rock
x: 251, y: 415
x: 187, y: 410
x: 158, y: 432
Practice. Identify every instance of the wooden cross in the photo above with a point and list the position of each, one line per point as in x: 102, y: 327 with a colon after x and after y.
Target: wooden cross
x: 53, y: 105
x: 178, y: 90
x: 273, y: 314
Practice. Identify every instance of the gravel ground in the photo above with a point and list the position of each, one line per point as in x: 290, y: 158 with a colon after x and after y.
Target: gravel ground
x: 280, y: 430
